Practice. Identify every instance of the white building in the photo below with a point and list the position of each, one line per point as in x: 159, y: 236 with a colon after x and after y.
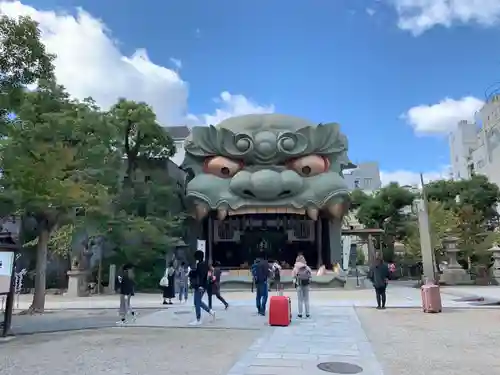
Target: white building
x: 178, y: 134
x: 474, y: 146
x: 366, y: 176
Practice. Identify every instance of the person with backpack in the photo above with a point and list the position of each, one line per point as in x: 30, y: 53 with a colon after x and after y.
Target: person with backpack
x: 126, y: 287
x: 302, y: 275
x: 260, y: 274
x: 198, y: 278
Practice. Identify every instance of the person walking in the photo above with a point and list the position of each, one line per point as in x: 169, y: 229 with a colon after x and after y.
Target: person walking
x: 198, y: 278
x: 276, y: 269
x: 169, y: 289
x: 214, y: 285
x: 379, y: 276
x: 260, y: 273
x: 127, y: 289
x: 302, y: 275
x: 182, y: 280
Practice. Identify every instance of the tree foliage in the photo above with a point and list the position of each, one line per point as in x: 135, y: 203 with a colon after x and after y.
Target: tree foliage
x: 474, y: 203
x: 55, y: 161
x: 384, y: 210
x: 476, y: 192
x: 77, y: 171
x: 442, y: 222
x: 23, y: 61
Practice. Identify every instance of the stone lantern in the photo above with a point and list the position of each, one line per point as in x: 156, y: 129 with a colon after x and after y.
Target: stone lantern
x: 495, y: 254
x: 399, y: 248
x: 454, y: 274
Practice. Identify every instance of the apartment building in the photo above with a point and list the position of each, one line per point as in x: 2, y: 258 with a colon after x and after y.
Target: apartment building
x: 474, y: 146
x: 366, y: 176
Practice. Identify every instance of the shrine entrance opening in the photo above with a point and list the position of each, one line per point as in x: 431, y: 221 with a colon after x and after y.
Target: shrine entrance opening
x: 239, y: 240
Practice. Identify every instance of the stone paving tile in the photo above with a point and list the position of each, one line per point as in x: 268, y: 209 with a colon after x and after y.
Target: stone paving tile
x: 181, y: 317
x: 333, y: 334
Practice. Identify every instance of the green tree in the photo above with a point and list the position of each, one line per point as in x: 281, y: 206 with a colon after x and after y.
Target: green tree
x: 474, y: 202
x: 141, y: 136
x: 56, y: 161
x: 385, y: 210
x: 441, y: 221
x: 23, y: 61
x: 143, y: 218
x: 477, y: 192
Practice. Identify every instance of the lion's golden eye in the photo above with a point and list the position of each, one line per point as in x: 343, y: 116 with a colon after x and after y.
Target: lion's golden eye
x: 310, y: 165
x: 222, y: 167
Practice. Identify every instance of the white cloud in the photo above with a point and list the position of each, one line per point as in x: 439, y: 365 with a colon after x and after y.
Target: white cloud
x: 418, y: 16
x: 89, y: 63
x: 443, y: 116
x: 232, y: 105
x: 405, y: 177
x: 370, y: 11
x: 176, y: 63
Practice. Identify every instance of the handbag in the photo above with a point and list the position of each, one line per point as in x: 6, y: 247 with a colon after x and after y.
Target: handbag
x: 164, y: 281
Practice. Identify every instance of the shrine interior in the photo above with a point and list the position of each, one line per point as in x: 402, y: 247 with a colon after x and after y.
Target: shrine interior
x: 238, y: 240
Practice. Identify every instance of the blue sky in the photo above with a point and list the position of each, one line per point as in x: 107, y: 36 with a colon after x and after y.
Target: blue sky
x: 362, y: 63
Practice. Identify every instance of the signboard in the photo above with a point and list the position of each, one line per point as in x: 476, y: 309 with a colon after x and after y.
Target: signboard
x: 201, y: 245
x: 6, y: 264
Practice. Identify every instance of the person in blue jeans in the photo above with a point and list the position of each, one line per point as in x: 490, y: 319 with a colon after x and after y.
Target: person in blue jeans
x: 182, y: 280
x: 198, y: 277
x: 260, y: 272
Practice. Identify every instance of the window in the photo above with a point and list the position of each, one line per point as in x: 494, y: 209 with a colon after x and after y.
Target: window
x: 356, y: 183
x: 367, y: 183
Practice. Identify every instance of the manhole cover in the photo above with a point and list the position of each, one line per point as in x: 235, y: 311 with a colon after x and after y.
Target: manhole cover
x: 182, y: 312
x: 340, y: 367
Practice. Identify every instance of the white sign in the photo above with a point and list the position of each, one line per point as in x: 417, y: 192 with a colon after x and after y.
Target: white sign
x: 201, y: 245
x: 6, y: 264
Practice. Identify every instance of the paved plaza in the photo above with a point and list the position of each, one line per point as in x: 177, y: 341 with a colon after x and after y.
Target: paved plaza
x: 344, y: 329
x: 398, y: 297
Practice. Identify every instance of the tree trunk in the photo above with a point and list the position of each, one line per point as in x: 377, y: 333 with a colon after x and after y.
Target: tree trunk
x: 38, y: 303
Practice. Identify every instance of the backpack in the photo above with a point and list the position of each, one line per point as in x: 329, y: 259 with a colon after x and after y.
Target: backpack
x: 303, y: 275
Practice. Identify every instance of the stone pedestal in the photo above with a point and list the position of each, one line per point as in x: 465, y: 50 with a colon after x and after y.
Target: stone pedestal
x: 454, y: 274
x: 77, y: 283
x: 495, y: 269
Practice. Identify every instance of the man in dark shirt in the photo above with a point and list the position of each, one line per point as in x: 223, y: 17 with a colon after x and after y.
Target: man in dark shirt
x: 126, y: 287
x: 199, y: 282
x: 260, y: 273
x: 379, y: 276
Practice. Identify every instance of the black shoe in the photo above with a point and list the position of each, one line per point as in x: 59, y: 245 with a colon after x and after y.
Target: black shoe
x: 299, y: 316
x: 227, y: 305
x: 308, y: 316
x: 383, y: 307
x: 379, y: 308
x: 165, y: 302
x: 170, y: 303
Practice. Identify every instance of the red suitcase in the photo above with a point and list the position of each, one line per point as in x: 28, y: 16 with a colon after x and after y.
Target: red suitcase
x: 280, y: 311
x: 431, y: 299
